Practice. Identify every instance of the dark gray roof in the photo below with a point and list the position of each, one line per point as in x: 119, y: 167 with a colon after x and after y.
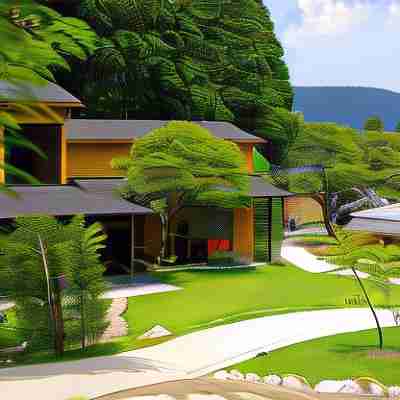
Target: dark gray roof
x: 63, y: 200
x: 130, y: 129
x: 47, y: 93
x: 261, y: 188
x: 106, y: 187
x: 382, y: 227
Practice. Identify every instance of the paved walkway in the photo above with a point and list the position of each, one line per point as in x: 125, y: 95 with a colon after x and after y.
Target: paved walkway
x: 303, y: 259
x: 188, y: 356
x: 133, y: 290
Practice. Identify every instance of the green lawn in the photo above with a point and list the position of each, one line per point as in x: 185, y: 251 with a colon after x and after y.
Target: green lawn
x: 335, y: 357
x: 217, y: 297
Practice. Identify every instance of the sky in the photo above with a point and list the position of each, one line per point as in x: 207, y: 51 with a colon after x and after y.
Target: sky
x: 340, y: 42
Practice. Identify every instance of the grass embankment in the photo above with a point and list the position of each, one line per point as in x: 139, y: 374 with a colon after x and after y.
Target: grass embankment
x: 349, y: 355
x: 218, y: 297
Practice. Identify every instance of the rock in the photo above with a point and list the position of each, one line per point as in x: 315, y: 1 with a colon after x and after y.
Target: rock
x: 155, y: 332
x: 351, y: 387
x: 253, y: 378
x: 376, y: 390
x: 372, y: 386
x: 295, y: 382
x: 394, y: 391
x: 224, y: 375
x: 236, y: 375
x: 329, y: 386
x: 272, y: 380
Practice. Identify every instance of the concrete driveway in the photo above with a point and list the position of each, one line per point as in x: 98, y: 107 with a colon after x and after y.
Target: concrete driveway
x: 188, y: 356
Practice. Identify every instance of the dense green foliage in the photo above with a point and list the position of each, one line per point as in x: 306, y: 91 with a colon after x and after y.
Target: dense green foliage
x: 374, y: 123
x: 33, y: 54
x: 353, y: 159
x: 397, y: 129
x: 36, y: 42
x: 182, y: 164
x: 70, y: 250
x: 187, y: 60
x: 339, y: 357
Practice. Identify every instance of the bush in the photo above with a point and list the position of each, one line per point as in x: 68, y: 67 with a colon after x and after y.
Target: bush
x: 224, y: 258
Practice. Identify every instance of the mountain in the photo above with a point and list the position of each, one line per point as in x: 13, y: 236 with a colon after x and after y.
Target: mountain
x: 347, y: 105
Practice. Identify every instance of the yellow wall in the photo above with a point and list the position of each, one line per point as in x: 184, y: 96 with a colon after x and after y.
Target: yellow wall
x: 247, y: 150
x: 243, y: 232
x: 93, y: 159
x: 38, y: 113
x: 304, y: 209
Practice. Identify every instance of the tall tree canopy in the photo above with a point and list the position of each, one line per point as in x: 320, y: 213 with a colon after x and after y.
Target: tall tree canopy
x: 187, y: 60
x: 182, y: 164
x: 353, y: 159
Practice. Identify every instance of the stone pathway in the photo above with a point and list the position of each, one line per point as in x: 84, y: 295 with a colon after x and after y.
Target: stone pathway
x: 133, y: 290
x: 118, y: 326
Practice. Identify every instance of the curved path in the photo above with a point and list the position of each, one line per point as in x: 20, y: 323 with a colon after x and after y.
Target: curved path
x: 188, y: 356
x: 301, y: 258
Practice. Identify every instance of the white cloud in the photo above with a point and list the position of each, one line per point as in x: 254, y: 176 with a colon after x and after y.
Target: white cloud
x: 326, y: 18
x: 344, y: 42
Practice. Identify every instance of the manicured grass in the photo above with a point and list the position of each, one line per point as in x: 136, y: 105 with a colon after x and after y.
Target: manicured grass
x: 218, y: 297
x: 335, y: 357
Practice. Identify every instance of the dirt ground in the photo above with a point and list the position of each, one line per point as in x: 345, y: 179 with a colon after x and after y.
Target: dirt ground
x: 226, y: 389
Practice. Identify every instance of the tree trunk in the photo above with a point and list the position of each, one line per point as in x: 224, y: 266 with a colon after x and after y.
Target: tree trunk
x: 380, y: 334
x: 59, y: 323
x: 83, y: 330
x: 164, y: 236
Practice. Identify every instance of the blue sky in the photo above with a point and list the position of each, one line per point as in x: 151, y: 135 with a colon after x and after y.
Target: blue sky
x: 340, y: 42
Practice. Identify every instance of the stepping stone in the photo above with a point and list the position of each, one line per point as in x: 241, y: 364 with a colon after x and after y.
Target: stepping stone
x: 155, y: 332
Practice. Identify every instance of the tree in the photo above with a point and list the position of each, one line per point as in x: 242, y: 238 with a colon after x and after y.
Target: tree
x: 374, y: 260
x: 397, y: 129
x: 182, y: 164
x: 36, y: 41
x: 186, y: 60
x: 34, y: 257
x: 374, y: 123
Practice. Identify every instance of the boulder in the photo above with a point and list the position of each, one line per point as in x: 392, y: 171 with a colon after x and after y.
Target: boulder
x: 272, y: 380
x: 372, y: 386
x: 224, y: 375
x: 236, y: 375
x: 394, y: 391
x: 155, y: 332
x: 351, y: 387
x: 329, y: 386
x: 295, y: 382
x: 253, y: 378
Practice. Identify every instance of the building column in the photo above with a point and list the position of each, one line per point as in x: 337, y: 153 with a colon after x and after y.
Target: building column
x: 132, y: 245
x: 2, y: 156
x: 63, y: 171
x: 243, y: 240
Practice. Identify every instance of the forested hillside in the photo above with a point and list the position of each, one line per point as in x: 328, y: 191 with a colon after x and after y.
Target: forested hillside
x: 349, y: 106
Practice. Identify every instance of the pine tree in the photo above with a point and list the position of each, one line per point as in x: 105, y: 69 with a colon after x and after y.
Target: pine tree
x: 374, y: 123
